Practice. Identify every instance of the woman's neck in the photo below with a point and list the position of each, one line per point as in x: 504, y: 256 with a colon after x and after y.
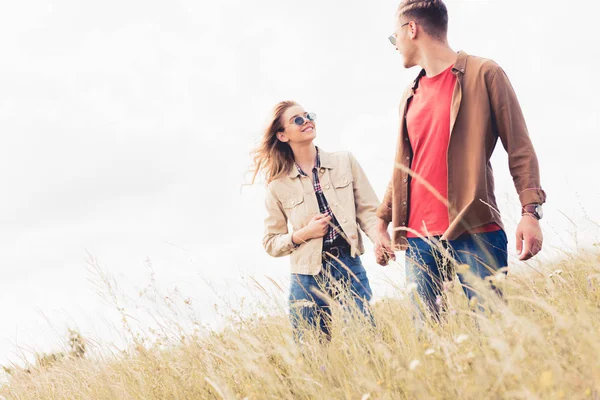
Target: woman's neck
x: 305, y: 156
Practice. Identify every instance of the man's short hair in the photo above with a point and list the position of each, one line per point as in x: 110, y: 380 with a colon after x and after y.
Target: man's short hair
x: 432, y: 15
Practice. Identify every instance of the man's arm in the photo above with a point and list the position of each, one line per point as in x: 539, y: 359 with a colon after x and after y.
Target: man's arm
x: 383, y: 250
x: 384, y: 211
x: 508, y: 120
x: 510, y: 124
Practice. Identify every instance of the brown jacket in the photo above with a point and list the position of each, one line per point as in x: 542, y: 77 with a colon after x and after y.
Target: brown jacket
x: 291, y: 200
x: 484, y: 108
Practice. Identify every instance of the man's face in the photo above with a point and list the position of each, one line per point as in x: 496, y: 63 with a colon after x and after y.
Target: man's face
x: 405, y: 43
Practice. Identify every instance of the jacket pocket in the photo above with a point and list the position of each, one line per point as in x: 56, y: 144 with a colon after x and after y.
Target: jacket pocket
x: 345, y: 210
x: 343, y: 181
x: 292, y: 201
x: 295, y: 209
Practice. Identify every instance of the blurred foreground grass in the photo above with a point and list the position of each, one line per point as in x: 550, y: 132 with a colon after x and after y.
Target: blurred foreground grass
x: 543, y: 343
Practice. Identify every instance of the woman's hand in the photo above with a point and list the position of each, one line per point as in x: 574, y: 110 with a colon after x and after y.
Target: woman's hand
x: 383, y: 249
x: 316, y: 228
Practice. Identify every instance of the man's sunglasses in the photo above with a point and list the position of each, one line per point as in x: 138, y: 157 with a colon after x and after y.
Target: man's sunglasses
x: 392, y: 37
x: 299, y: 120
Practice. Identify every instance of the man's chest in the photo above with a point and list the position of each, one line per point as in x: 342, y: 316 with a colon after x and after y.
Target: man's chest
x: 428, y: 117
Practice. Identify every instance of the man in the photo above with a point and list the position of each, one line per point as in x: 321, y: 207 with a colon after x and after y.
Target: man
x: 441, y: 199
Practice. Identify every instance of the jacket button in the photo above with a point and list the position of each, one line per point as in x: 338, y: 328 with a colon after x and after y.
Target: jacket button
x: 404, y: 180
x: 352, y: 236
x: 403, y: 203
x: 326, y: 186
x: 404, y: 224
x: 322, y: 169
x: 407, y: 157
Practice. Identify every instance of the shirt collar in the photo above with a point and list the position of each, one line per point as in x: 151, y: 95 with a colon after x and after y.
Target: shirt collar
x: 323, y: 159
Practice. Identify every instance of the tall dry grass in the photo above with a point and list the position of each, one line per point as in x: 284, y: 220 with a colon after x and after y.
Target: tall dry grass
x: 543, y: 343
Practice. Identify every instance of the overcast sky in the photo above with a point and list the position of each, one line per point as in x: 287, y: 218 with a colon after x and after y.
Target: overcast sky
x: 126, y: 129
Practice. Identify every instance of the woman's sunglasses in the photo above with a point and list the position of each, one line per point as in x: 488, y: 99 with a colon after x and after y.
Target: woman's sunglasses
x: 299, y: 120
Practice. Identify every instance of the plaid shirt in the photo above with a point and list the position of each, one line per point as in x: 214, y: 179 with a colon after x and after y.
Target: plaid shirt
x: 334, y: 228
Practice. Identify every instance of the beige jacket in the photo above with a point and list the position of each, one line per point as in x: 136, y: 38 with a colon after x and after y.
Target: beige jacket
x: 292, y: 200
x: 484, y: 110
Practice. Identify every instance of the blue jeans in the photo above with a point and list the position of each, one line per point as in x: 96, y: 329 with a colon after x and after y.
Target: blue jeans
x: 310, y: 295
x: 429, y: 268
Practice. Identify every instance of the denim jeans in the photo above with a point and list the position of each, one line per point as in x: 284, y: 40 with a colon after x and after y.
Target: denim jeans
x: 338, y: 280
x: 429, y: 267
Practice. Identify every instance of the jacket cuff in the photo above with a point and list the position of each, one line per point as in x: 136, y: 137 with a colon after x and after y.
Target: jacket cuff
x: 292, y: 246
x: 532, y: 196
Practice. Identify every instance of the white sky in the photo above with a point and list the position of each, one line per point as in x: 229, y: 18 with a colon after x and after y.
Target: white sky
x: 126, y: 128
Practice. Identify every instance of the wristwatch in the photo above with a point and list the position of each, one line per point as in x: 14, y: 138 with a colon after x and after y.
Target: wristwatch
x: 535, y: 210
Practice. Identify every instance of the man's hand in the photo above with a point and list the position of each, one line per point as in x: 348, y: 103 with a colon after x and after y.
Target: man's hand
x: 383, y: 249
x: 529, y: 237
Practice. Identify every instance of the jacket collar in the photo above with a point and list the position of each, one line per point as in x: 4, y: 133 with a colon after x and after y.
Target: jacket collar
x: 324, y: 158
x: 294, y: 172
x: 461, y: 62
x: 415, y: 84
x: 459, y: 66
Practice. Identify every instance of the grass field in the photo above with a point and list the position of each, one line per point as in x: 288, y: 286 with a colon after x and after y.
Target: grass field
x: 542, y: 343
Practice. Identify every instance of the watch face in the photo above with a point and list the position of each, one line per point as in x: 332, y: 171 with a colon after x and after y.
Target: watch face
x: 539, y: 211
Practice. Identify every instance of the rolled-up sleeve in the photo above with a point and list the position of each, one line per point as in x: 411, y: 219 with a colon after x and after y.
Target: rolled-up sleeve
x: 510, y: 124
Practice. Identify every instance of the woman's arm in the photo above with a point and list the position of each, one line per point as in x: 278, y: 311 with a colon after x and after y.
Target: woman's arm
x: 365, y: 200
x: 277, y: 240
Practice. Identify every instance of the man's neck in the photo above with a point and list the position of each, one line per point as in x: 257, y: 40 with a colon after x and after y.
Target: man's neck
x: 436, y: 58
x: 305, y: 156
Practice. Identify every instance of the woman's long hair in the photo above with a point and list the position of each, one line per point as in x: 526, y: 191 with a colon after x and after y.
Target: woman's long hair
x: 274, y: 157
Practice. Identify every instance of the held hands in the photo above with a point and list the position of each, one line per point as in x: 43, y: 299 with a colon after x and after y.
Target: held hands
x: 529, y: 237
x: 383, y: 249
x: 316, y: 228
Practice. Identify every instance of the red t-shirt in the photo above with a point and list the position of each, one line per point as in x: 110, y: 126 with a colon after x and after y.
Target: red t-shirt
x: 428, y: 123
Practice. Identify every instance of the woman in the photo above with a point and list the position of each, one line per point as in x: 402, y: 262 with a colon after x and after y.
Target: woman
x: 325, y: 197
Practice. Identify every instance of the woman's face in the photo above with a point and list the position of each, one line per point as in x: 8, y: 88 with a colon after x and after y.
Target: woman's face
x: 294, y: 133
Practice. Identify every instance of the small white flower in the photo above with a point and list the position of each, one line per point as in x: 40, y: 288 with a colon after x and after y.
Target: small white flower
x: 429, y: 352
x: 302, y: 303
x: 461, y: 338
x: 556, y: 272
x: 414, y: 364
x: 462, y: 268
x: 411, y: 287
x: 448, y: 286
